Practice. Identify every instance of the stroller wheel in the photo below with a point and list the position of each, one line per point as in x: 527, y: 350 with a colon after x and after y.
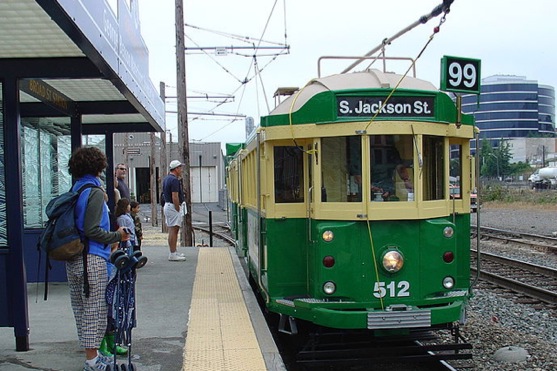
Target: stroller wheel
x: 121, y: 261
x: 137, y: 253
x: 115, y: 255
x: 141, y: 261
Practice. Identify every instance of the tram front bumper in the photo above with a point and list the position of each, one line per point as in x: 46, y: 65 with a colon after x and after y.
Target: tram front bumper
x: 394, y: 317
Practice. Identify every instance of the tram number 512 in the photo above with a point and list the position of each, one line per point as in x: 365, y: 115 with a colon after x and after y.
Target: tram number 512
x: 460, y: 75
x: 391, y: 289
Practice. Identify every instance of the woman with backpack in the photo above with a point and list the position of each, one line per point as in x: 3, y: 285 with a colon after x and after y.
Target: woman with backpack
x: 88, y: 273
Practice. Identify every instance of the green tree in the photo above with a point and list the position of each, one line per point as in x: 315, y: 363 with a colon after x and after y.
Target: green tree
x: 495, y: 162
x: 520, y: 168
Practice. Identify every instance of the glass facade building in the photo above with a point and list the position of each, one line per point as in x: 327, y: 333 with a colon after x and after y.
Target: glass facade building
x: 512, y: 107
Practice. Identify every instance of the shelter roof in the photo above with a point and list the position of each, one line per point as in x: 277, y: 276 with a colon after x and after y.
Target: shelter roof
x: 80, y: 58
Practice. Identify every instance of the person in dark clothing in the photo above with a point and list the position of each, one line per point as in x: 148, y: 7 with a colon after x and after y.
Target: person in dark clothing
x: 121, y: 173
x: 92, y: 220
x: 174, y: 207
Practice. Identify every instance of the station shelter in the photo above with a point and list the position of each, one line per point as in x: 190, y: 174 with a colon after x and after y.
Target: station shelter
x: 69, y: 69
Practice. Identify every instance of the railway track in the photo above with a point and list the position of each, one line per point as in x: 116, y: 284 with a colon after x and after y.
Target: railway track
x: 533, y: 241
x: 532, y: 280
x: 336, y: 350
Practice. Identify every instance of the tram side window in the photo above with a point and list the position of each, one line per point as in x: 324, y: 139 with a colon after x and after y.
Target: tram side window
x: 391, y: 167
x: 341, y: 168
x: 289, y: 174
x: 433, y: 168
x: 455, y: 172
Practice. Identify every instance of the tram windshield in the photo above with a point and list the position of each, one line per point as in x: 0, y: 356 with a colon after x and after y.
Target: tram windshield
x: 433, y: 168
x: 341, y: 169
x: 289, y: 174
x: 392, y: 171
x: 392, y: 168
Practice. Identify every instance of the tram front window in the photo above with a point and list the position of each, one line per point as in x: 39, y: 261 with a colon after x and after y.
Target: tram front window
x: 434, y: 168
x: 289, y: 176
x: 391, y: 167
x: 341, y: 169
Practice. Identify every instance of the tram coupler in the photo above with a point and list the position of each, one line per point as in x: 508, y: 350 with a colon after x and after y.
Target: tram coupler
x: 293, y: 328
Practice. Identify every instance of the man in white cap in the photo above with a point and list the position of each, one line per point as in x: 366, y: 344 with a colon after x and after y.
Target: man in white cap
x: 174, y: 209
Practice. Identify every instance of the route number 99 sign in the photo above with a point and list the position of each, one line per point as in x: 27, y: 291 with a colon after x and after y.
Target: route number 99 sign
x: 460, y: 75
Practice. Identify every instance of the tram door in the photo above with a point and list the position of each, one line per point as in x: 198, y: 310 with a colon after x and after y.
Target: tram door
x: 311, y: 191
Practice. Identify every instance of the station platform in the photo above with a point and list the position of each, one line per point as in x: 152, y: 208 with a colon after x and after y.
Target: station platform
x: 200, y: 314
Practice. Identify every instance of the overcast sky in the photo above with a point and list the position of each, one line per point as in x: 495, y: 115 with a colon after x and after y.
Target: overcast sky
x: 510, y: 37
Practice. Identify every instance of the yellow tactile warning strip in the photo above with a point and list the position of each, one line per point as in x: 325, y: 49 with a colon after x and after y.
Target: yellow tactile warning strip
x: 220, y: 332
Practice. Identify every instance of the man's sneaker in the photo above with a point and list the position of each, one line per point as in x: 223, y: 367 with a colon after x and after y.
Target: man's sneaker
x: 102, y: 364
x: 175, y: 257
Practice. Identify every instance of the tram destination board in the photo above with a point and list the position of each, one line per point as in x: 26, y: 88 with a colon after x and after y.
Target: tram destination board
x: 460, y: 75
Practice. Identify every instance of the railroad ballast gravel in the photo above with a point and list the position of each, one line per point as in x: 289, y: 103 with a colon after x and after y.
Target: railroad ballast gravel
x: 494, y: 321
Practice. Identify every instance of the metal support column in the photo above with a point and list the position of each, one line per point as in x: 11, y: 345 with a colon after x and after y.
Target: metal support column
x: 16, y: 279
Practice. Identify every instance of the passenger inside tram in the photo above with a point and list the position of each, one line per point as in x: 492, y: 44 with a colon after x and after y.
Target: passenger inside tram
x: 391, y: 174
x: 390, y: 162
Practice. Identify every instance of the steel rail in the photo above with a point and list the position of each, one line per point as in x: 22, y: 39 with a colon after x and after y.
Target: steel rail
x: 539, y: 293
x: 527, y: 239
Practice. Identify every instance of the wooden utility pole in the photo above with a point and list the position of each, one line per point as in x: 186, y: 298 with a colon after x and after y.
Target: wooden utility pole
x: 163, y: 162
x: 187, y: 231
x: 153, y: 180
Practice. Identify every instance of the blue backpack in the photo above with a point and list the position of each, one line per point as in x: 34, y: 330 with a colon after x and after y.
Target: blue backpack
x: 61, y: 240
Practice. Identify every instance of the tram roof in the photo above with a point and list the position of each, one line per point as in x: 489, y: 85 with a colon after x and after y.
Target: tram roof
x: 92, y: 61
x: 369, y: 79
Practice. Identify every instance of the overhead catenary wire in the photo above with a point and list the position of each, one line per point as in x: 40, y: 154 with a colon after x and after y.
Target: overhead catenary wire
x: 254, y: 71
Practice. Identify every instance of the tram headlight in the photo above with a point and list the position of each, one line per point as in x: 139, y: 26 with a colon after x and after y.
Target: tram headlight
x: 448, y: 232
x: 328, y: 236
x: 393, y: 261
x: 329, y: 287
x: 448, y: 282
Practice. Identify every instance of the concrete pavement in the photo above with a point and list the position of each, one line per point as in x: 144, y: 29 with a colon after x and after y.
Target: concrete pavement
x: 163, y: 300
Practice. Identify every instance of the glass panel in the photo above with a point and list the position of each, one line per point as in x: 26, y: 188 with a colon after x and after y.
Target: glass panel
x: 46, y: 149
x: 455, y: 171
x: 289, y: 174
x: 3, y: 224
x: 391, y: 166
x: 433, y: 168
x: 341, y: 159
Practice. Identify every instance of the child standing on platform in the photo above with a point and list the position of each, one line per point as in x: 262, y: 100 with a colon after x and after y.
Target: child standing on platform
x: 135, y: 207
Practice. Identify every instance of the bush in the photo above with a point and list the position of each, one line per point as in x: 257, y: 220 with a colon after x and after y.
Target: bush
x: 498, y: 193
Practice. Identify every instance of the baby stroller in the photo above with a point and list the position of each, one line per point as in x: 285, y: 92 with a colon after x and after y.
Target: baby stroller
x: 120, y: 295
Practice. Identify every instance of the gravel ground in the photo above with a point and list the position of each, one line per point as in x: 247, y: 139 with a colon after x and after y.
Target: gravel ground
x: 497, y: 322
x: 527, y: 220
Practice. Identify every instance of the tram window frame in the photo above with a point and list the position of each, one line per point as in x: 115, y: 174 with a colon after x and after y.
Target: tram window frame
x: 341, y: 169
x: 455, y: 171
x: 392, y: 167
x: 288, y: 173
x: 433, y: 167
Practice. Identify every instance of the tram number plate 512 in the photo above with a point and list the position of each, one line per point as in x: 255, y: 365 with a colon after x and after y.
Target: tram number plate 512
x: 392, y: 289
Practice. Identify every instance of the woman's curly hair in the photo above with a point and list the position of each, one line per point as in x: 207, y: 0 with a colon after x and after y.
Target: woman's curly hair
x: 87, y: 160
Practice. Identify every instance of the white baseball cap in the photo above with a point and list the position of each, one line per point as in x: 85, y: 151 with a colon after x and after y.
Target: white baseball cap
x: 174, y: 164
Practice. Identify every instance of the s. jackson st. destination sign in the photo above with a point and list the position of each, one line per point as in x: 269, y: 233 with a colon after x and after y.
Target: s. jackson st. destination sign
x: 393, y: 107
